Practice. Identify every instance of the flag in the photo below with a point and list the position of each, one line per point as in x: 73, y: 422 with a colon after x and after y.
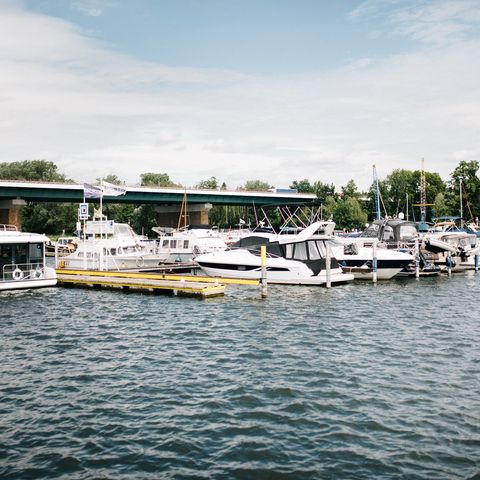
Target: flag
x: 91, y: 191
x: 112, y: 190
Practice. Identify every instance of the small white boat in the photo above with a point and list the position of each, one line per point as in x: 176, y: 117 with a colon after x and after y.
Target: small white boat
x: 108, y: 245
x: 184, y: 244
x: 295, y: 259
x: 22, y: 260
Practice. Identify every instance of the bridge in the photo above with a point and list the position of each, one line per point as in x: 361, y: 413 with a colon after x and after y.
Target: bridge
x: 15, y: 194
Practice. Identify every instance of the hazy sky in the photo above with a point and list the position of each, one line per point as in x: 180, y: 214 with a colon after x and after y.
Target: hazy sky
x: 275, y: 90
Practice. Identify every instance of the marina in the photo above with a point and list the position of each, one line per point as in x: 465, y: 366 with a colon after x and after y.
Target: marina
x: 99, y: 384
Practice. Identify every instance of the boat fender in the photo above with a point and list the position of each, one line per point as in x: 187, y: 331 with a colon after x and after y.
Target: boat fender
x: 140, y: 261
x: 450, y: 262
x: 61, y: 264
x: 17, y: 274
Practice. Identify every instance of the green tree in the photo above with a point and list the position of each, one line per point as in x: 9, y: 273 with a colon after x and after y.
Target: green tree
x: 440, y: 206
x: 303, y: 186
x: 34, y: 170
x: 349, y: 214
x: 466, y: 172
x: 324, y: 190
x: 256, y: 186
x: 210, y: 184
x: 329, y: 207
x: 350, y: 190
x: 150, y: 179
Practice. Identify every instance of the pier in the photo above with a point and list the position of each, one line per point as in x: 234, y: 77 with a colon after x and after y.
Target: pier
x: 181, y: 285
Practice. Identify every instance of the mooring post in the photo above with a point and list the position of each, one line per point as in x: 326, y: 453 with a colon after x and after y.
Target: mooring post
x: 263, y: 256
x: 374, y: 264
x: 417, y: 259
x: 328, y: 267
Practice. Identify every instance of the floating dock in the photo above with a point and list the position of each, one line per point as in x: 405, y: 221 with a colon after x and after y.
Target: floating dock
x: 182, y: 285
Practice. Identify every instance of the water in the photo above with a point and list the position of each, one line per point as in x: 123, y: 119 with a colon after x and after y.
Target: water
x: 356, y: 382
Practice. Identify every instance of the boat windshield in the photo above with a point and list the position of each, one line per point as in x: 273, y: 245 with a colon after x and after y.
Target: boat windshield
x: 407, y: 232
x: 371, y: 231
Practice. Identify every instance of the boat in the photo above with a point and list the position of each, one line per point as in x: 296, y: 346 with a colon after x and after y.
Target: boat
x: 107, y: 245
x: 398, y: 235
x: 359, y: 260
x: 22, y: 260
x: 64, y: 246
x: 295, y: 259
x: 184, y: 244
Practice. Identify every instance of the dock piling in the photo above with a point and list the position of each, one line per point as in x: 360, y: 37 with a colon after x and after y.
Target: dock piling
x: 263, y: 256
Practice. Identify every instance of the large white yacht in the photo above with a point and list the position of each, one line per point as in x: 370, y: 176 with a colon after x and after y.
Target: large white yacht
x: 107, y: 245
x: 22, y: 260
x: 295, y: 259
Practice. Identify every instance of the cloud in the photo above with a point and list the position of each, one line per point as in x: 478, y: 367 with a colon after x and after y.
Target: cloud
x: 67, y: 98
x: 432, y: 22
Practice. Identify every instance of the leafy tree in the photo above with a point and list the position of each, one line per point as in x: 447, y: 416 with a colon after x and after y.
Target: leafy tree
x: 329, y: 207
x: 440, y: 206
x: 156, y: 180
x: 303, y: 186
x: 323, y: 190
x: 256, y: 186
x: 111, y: 178
x: 349, y: 214
x: 467, y: 173
x: 210, y: 184
x: 350, y: 190
x: 34, y: 170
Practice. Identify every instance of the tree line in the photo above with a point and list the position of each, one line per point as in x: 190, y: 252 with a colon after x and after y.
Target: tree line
x: 347, y: 206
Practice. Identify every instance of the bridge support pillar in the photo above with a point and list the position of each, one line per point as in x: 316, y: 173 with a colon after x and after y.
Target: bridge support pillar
x: 168, y: 215
x: 10, y: 212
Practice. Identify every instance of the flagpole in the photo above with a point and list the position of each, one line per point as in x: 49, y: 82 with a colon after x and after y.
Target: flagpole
x: 84, y: 234
x: 101, y: 224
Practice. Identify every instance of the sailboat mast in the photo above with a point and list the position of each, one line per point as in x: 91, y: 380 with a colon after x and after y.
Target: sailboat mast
x: 423, y: 194
x: 377, y: 193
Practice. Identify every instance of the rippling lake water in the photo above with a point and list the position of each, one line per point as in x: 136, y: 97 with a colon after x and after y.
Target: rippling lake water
x: 355, y: 382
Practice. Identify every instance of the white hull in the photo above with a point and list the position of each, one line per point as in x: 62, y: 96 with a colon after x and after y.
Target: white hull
x: 49, y: 279
x: 276, y: 278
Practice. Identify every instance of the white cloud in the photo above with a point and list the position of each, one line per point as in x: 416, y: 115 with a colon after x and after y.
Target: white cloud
x: 67, y: 98
x: 432, y: 22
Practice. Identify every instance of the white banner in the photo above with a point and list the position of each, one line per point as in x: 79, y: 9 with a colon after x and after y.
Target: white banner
x: 112, y: 190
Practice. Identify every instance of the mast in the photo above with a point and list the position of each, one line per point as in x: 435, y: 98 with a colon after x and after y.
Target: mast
x: 461, y: 203
x: 376, y: 193
x: 423, y: 194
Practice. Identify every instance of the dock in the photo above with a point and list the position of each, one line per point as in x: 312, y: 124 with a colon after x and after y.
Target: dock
x: 181, y: 285
x: 140, y: 282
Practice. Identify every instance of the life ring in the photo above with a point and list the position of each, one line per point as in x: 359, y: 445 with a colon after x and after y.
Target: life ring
x: 38, y: 274
x: 140, y: 261
x: 17, y: 274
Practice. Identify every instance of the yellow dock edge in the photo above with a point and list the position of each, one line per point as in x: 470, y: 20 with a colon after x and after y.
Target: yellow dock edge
x: 158, y: 276
x: 182, y: 288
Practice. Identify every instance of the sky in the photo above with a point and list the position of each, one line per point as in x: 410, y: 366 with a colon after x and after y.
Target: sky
x: 274, y: 90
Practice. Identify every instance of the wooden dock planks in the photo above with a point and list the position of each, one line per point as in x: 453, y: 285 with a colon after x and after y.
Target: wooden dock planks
x: 179, y: 285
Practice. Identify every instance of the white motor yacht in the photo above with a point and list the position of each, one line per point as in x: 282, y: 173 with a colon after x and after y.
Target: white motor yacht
x: 22, y: 260
x: 291, y: 259
x: 184, y: 244
x: 107, y: 245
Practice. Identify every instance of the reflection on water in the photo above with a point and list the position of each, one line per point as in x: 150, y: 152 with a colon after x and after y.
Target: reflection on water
x: 359, y: 381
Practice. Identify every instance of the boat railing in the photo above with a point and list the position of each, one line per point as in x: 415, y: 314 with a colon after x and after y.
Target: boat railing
x: 23, y: 271
x: 4, y: 227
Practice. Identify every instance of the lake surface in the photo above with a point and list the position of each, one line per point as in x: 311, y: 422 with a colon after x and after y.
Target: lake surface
x: 355, y: 382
